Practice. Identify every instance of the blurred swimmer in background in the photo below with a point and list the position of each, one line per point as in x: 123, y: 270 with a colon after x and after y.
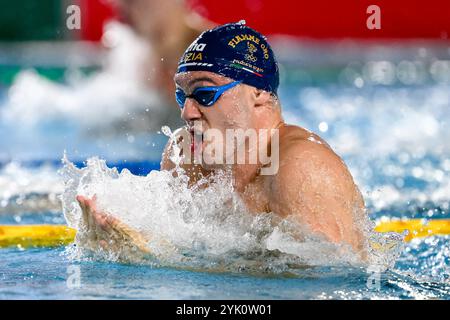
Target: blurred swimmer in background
x: 168, y: 27
x: 164, y: 28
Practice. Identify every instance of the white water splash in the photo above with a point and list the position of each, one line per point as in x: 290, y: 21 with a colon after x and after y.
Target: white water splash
x: 209, y: 228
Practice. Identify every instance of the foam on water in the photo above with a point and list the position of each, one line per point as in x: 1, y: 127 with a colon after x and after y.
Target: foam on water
x: 203, y: 228
x: 29, y: 190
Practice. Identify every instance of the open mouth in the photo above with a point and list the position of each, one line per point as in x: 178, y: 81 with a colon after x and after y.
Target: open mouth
x: 196, y: 140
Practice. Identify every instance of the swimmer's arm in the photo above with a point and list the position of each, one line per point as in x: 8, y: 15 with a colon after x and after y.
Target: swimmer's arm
x: 314, y: 184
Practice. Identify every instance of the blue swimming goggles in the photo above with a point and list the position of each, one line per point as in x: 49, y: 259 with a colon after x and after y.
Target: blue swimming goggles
x: 206, y: 96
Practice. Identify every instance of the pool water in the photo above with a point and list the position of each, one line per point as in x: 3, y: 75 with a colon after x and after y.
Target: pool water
x: 384, y: 111
x: 46, y: 274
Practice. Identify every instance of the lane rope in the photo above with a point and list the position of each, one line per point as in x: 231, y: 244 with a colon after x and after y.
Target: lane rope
x: 27, y: 236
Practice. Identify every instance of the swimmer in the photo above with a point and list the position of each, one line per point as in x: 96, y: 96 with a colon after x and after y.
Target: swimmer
x: 227, y: 79
x: 181, y: 27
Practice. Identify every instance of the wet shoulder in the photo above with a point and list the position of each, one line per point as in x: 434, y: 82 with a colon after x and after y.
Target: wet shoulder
x: 296, y: 139
x: 306, y: 162
x: 303, y: 150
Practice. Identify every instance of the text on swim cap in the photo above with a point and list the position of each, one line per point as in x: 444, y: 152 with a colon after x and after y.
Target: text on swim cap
x: 243, y: 37
x: 249, y: 37
x: 192, y: 56
x: 196, y: 47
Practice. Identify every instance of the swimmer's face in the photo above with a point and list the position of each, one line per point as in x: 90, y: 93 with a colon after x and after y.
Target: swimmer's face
x: 233, y: 110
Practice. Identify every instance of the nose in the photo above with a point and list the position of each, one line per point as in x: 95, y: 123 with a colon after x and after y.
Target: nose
x: 191, y: 111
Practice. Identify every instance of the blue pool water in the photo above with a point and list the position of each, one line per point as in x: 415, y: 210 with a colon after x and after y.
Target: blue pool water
x: 45, y: 274
x: 387, y: 121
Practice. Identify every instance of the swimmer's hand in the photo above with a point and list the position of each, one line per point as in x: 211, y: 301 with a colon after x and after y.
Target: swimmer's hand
x: 102, y: 230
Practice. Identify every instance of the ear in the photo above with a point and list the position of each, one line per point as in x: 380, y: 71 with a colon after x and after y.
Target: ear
x: 262, y: 98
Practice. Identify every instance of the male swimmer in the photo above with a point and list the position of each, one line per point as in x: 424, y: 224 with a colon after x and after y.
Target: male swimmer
x: 227, y: 79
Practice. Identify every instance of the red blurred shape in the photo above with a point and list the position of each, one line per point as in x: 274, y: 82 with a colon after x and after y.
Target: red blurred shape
x: 94, y: 13
x: 333, y: 18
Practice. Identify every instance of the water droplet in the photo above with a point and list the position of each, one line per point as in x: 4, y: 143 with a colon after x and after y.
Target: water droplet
x: 323, y: 126
x: 359, y: 82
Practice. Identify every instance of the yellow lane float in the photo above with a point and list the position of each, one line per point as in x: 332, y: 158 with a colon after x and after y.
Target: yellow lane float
x: 417, y: 227
x: 26, y: 236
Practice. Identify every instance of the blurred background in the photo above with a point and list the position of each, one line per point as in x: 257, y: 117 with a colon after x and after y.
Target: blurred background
x: 94, y: 78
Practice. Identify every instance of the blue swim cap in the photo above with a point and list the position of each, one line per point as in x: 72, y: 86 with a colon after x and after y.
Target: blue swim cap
x: 235, y: 51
